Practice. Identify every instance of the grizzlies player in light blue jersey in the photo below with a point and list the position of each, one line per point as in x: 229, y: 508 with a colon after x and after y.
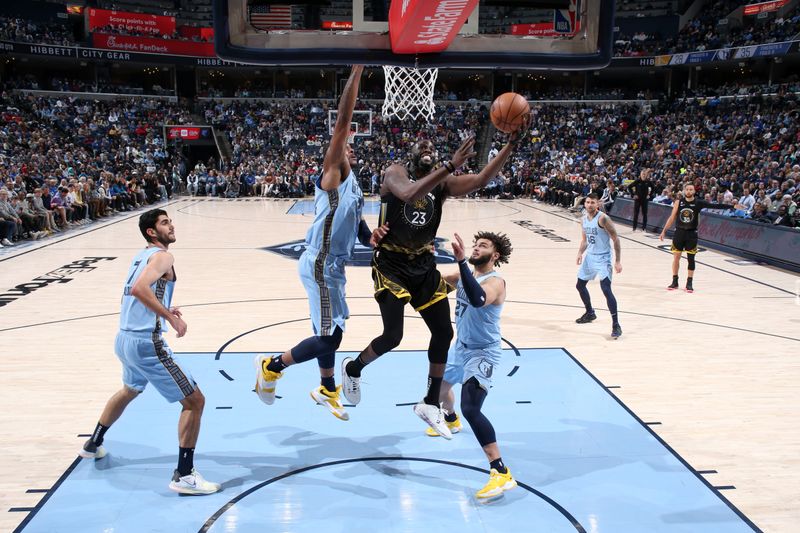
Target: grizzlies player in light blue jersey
x: 476, y: 352
x: 145, y: 356
x: 330, y: 241
x: 597, y: 231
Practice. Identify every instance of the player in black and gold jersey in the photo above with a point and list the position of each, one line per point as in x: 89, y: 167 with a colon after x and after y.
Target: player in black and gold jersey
x: 686, y: 214
x: 404, y: 269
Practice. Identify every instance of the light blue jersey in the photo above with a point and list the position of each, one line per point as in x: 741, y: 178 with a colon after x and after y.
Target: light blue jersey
x: 329, y: 244
x: 337, y: 214
x: 477, y: 326
x: 597, y: 261
x: 598, y: 242
x: 476, y: 351
x: 145, y: 355
x: 135, y: 316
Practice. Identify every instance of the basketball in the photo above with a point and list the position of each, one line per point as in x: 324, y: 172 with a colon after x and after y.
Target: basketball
x: 508, y: 112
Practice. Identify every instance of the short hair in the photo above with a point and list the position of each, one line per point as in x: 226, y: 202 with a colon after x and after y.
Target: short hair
x: 593, y: 196
x: 148, y: 221
x: 501, y: 243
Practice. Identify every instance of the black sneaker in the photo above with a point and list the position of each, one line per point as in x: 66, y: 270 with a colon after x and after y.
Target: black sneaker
x: 689, y: 287
x: 672, y: 286
x: 92, y: 451
x: 586, y: 318
x: 616, y: 331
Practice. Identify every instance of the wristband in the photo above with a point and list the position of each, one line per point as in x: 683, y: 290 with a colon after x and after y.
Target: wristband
x: 449, y: 166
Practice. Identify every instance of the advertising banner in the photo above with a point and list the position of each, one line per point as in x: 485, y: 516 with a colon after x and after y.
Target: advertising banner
x: 152, y: 45
x: 156, y: 24
x: 755, y: 240
x: 764, y: 7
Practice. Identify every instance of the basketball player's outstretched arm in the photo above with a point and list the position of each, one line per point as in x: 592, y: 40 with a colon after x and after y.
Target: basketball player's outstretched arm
x: 396, y: 181
x: 158, y: 265
x: 336, y: 165
x: 611, y: 229
x: 467, y: 183
x: 671, y: 219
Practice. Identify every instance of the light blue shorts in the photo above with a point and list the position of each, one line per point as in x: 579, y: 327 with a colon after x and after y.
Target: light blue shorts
x: 324, y: 286
x: 595, y: 265
x: 464, y: 363
x: 146, y: 358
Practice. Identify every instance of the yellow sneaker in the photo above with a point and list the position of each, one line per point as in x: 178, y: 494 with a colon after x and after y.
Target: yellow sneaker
x: 454, y: 427
x: 329, y: 399
x: 265, y: 380
x: 498, y: 483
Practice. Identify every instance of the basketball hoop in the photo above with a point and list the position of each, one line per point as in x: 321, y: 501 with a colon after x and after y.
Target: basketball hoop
x: 409, y: 92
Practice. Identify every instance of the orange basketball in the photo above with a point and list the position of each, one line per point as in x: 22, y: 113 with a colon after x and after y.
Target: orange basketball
x: 508, y: 112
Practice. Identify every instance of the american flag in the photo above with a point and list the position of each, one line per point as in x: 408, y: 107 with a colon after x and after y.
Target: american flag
x: 271, y: 16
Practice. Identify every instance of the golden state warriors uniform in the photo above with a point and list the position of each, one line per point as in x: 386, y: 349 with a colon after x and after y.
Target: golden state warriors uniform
x: 404, y: 263
x: 144, y: 353
x: 476, y: 351
x: 329, y: 244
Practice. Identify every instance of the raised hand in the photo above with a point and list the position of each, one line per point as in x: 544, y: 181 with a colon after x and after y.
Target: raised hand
x: 458, y: 248
x: 464, y: 152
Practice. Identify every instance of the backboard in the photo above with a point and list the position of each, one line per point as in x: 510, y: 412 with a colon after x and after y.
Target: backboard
x: 512, y: 34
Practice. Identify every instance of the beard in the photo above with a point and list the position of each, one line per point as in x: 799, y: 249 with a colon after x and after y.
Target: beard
x: 424, y: 164
x: 165, y: 239
x: 479, y: 261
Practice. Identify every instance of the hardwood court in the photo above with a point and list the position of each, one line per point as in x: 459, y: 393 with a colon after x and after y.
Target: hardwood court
x: 714, y: 372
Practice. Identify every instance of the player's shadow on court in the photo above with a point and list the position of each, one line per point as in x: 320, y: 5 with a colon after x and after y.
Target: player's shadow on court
x: 589, y: 448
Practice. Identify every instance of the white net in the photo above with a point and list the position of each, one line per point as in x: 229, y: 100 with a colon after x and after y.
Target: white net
x: 409, y: 92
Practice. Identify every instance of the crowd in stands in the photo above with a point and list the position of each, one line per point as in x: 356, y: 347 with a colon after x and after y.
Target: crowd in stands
x: 744, y: 152
x: 65, y: 162
x: 25, y: 31
x: 84, y: 86
x: 704, y: 33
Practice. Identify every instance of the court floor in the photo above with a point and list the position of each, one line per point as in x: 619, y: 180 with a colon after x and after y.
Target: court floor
x: 684, y: 424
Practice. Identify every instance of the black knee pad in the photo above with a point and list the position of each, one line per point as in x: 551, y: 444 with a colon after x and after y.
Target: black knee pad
x: 690, y: 258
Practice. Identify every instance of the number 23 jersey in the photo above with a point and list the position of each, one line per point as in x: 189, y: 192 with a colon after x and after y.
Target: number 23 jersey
x: 413, y: 225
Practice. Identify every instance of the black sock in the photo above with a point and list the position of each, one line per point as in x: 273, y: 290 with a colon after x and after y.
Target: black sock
x: 355, y: 367
x: 434, y: 387
x: 185, y: 461
x: 498, y: 465
x: 329, y: 383
x: 99, y: 433
x: 451, y: 417
x: 614, y: 320
x: 674, y: 279
x: 276, y: 364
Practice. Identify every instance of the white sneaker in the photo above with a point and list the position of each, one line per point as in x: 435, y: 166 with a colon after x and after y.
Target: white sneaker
x: 351, y: 386
x: 193, y: 484
x: 433, y: 415
x: 6, y: 242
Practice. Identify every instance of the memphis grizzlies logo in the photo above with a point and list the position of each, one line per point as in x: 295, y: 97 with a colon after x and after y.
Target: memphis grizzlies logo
x: 362, y: 256
x: 486, y: 368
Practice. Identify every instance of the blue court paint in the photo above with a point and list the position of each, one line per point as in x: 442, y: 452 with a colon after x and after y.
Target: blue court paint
x: 306, y: 207
x: 584, y: 462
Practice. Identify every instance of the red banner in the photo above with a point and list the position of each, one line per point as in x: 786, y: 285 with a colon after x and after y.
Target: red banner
x: 207, y: 34
x: 541, y: 29
x: 764, y: 7
x: 152, y: 45
x: 188, y: 133
x: 425, y: 26
x: 100, y: 18
x: 336, y: 25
